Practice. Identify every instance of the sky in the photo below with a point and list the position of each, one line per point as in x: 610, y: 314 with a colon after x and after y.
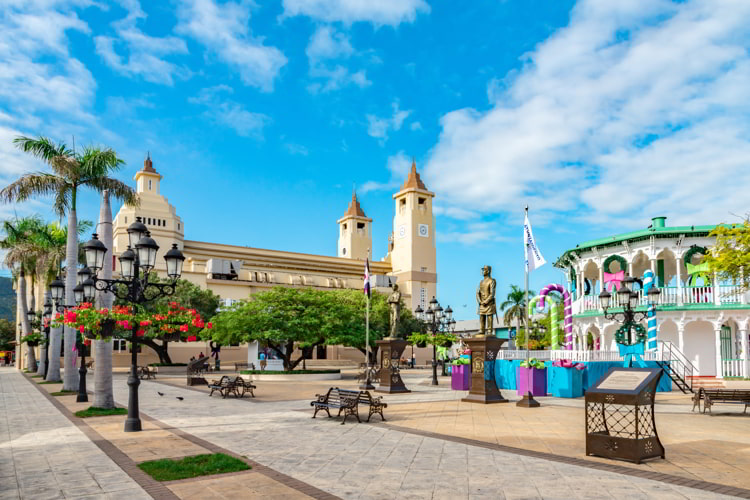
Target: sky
x: 263, y: 116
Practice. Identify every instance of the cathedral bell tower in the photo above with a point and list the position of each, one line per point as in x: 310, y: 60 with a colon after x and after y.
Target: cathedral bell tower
x: 413, y: 256
x: 355, y: 232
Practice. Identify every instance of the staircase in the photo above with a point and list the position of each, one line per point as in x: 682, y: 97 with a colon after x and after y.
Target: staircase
x: 708, y: 383
x: 678, y: 368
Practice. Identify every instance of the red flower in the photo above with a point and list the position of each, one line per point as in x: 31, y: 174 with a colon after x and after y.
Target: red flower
x: 104, y: 311
x: 140, y: 333
x: 81, y: 328
x: 184, y: 328
x: 86, y: 341
x: 192, y: 338
x: 145, y: 323
x: 209, y: 325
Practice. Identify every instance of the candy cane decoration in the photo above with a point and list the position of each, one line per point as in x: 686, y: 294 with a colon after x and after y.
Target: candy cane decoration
x: 568, y: 309
x: 648, y: 282
x: 554, y: 320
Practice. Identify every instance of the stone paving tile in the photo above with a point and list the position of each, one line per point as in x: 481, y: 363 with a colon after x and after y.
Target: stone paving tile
x: 48, y: 456
x: 377, y: 461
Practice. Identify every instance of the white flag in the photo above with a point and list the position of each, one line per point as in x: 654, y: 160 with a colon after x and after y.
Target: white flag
x: 534, y: 259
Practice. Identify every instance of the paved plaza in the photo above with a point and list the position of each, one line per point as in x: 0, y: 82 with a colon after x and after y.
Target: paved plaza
x: 432, y: 446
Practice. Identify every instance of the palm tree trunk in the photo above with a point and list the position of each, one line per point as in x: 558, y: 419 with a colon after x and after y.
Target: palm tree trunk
x: 19, y: 331
x: 26, y: 326
x: 55, y: 339
x: 103, y: 393
x: 43, y: 347
x: 70, y: 380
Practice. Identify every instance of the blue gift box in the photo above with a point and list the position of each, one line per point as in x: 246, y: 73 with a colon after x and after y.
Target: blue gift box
x: 566, y: 382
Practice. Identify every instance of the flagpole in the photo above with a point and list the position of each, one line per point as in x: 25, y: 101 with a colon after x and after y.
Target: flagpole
x: 528, y: 400
x: 367, y: 385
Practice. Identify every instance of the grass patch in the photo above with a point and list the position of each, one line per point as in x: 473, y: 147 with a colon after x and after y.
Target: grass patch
x: 63, y: 393
x: 50, y: 382
x: 199, y: 465
x: 281, y: 372
x: 93, y: 411
x: 36, y: 376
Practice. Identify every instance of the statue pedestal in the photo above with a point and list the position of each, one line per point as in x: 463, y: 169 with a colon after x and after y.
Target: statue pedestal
x: 390, y: 376
x: 483, y: 349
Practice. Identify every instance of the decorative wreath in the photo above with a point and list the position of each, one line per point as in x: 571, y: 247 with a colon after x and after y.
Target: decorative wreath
x: 609, y: 260
x: 574, y: 282
x: 621, y: 336
x: 586, y: 286
x: 695, y: 249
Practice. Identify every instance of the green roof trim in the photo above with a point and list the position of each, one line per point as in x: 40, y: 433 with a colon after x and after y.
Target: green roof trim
x: 642, y: 234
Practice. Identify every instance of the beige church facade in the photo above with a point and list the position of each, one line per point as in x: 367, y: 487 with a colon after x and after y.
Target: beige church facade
x: 236, y: 272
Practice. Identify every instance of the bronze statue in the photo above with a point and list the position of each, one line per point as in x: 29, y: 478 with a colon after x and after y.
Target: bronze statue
x: 486, y: 302
x: 394, y: 301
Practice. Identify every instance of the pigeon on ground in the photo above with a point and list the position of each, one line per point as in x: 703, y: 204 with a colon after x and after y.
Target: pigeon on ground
x: 180, y: 398
x: 159, y: 393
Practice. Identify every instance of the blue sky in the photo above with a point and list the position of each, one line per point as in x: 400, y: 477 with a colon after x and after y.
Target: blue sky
x: 263, y: 116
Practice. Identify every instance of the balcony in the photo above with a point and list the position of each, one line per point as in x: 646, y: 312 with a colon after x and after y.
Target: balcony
x: 673, y: 296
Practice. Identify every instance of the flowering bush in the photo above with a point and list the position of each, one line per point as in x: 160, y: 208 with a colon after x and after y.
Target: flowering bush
x: 122, y: 320
x: 34, y: 338
x: 533, y: 363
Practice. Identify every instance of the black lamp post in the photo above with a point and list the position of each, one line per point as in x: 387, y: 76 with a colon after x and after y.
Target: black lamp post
x: 84, y: 292
x: 628, y: 300
x: 436, y: 320
x: 134, y: 287
x: 31, y: 317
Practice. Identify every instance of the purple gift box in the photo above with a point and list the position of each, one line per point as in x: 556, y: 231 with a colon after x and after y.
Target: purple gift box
x: 531, y: 379
x: 461, y: 377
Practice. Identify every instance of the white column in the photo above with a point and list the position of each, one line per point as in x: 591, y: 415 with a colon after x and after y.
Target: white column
x: 601, y: 340
x: 681, y: 336
x: 579, y: 285
x: 678, y: 263
x: 630, y: 268
x: 719, y: 365
x: 653, y: 270
x: 601, y: 279
x: 716, y: 289
x: 745, y: 357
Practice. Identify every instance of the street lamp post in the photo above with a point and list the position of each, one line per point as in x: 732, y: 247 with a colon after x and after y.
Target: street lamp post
x: 628, y: 300
x: 135, y: 288
x: 436, y: 320
x: 46, y: 317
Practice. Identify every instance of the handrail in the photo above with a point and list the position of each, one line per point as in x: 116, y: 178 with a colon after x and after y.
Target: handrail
x: 674, y: 356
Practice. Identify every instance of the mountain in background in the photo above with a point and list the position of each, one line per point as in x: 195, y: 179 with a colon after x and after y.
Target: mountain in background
x: 7, y: 300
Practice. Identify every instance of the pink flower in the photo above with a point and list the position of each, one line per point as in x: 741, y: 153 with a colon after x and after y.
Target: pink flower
x: 81, y: 328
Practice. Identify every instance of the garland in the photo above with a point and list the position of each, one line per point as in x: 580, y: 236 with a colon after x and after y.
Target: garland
x: 695, y: 249
x: 622, y: 332
x: 609, y: 260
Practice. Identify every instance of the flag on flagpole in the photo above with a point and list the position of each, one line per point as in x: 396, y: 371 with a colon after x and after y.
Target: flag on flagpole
x: 367, y: 277
x: 534, y: 259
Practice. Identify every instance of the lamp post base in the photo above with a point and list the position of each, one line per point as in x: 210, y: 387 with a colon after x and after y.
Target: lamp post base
x: 528, y: 401
x: 133, y: 422
x: 83, y: 396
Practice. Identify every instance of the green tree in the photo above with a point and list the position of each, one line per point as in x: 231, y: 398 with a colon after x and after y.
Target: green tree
x: 70, y: 171
x: 514, y: 306
x: 278, y: 318
x: 7, y: 335
x: 730, y: 256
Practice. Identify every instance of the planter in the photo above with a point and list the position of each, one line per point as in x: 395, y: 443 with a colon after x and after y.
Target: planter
x: 447, y: 344
x: 32, y: 343
x: 107, y: 328
x: 421, y: 344
x: 531, y: 380
x: 172, y: 337
x: 460, y: 377
x: 565, y: 382
x: 89, y: 335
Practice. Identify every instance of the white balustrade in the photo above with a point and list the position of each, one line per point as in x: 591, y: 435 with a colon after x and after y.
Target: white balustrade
x: 732, y: 368
x: 728, y: 294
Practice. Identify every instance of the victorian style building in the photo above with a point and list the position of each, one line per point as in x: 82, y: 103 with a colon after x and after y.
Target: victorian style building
x: 703, y: 318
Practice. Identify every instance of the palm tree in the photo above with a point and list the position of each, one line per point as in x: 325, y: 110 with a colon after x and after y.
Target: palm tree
x: 103, y: 394
x: 71, y: 170
x: 48, y: 245
x: 515, y: 306
x: 18, y: 243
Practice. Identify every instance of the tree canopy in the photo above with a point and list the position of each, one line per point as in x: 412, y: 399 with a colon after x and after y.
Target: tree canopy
x: 730, y: 256
x: 282, y: 317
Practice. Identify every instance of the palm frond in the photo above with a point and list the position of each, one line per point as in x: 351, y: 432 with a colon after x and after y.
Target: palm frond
x: 38, y: 183
x: 117, y: 189
x: 42, y: 148
x: 97, y: 162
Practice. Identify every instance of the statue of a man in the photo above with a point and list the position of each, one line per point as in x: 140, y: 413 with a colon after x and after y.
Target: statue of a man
x: 394, y: 302
x: 486, y: 302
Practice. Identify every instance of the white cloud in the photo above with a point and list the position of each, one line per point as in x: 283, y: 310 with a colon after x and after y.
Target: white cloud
x: 230, y: 113
x: 326, y: 44
x: 224, y: 29
x: 475, y: 233
x: 415, y: 126
x: 379, y: 12
x: 635, y: 108
x: 379, y: 127
x: 398, y: 166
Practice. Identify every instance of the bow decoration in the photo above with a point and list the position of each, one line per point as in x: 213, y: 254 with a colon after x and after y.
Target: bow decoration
x: 615, y: 279
x: 700, y: 271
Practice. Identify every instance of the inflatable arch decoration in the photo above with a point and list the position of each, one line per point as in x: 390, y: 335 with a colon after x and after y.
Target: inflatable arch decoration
x: 568, y: 310
x: 554, y: 319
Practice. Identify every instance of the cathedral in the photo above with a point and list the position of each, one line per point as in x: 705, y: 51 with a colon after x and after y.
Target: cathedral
x: 235, y: 272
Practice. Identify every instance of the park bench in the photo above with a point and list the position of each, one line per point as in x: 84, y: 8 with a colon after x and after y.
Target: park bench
x: 241, y: 386
x: 147, y: 372
x: 347, y: 401
x: 713, y: 396
x: 195, y: 368
x: 225, y: 385
x: 241, y: 366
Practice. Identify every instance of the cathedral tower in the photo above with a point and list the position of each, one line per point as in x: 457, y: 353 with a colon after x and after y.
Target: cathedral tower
x: 355, y: 232
x: 413, y: 256
x: 154, y: 210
